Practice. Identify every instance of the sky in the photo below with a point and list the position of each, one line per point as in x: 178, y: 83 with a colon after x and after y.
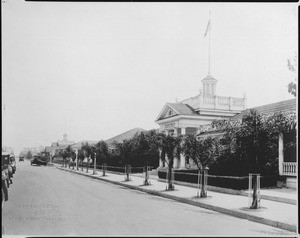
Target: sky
x: 97, y: 69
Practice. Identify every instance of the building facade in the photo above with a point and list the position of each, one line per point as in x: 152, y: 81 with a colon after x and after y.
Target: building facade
x: 186, y: 117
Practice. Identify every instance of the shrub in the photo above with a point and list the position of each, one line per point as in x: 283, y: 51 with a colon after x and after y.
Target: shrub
x: 238, y: 183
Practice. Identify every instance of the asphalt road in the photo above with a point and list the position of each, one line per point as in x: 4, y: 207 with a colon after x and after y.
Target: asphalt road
x: 48, y: 201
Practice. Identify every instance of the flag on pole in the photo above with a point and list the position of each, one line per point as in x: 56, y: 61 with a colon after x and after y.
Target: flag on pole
x: 208, y: 28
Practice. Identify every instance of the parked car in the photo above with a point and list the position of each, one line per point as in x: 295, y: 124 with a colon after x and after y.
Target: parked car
x: 5, y: 176
x: 38, y: 161
x: 12, y: 162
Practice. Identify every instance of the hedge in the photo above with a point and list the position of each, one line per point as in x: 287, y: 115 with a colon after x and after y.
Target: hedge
x: 237, y: 183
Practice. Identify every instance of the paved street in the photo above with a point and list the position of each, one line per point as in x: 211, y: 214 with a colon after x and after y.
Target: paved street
x: 48, y: 201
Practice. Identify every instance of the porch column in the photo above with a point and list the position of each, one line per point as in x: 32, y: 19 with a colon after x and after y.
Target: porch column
x: 182, y: 161
x: 175, y: 164
x: 280, y: 153
x: 183, y: 130
x: 182, y: 157
x: 160, y: 160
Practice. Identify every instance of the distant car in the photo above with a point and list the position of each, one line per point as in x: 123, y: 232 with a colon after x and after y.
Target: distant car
x: 38, y: 161
x: 21, y: 158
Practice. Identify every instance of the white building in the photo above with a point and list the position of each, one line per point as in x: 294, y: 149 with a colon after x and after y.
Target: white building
x: 188, y: 115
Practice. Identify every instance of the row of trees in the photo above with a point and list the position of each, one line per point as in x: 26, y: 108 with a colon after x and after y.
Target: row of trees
x: 249, y: 145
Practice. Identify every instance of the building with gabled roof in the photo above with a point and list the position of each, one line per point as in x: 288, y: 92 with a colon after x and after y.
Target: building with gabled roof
x: 186, y: 116
x: 78, y: 145
x: 123, y: 136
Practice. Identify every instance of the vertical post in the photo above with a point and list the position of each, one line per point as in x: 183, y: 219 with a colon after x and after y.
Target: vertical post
x: 198, y: 190
x: 76, y: 152
x: 258, y: 190
x: 280, y: 153
x: 87, y: 164
x: 167, y: 175
x: 209, y: 45
x: 249, y: 190
x: 103, y: 169
x: 95, y: 157
x: 160, y: 160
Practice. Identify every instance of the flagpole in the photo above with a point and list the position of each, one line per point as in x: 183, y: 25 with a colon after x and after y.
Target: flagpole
x: 209, y: 47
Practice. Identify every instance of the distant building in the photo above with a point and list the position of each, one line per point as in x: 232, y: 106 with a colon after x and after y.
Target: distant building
x: 123, y: 136
x: 60, y: 144
x: 78, y: 145
x: 65, y: 141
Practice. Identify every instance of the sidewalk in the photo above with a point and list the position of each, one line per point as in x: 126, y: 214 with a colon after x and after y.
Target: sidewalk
x: 274, y: 213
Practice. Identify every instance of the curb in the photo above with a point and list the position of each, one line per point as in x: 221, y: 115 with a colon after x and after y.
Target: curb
x: 236, y: 192
x: 277, y: 224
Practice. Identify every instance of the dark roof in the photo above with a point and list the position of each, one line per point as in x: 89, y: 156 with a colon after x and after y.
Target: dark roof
x: 269, y: 109
x: 80, y: 143
x: 210, y: 78
x: 124, y: 136
x: 183, y: 109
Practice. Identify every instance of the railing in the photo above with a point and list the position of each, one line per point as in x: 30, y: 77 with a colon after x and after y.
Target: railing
x: 289, y: 168
x: 216, y: 102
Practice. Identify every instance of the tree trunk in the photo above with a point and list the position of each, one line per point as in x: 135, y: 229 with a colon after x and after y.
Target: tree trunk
x: 146, y: 182
x: 170, y: 182
x: 255, y: 197
x: 203, y: 193
x: 103, y: 169
x: 82, y: 165
x: 87, y: 165
x: 199, y: 174
x: 127, y: 172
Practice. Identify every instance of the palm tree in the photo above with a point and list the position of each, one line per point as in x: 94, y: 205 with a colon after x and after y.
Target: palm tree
x: 80, y: 157
x: 101, y: 150
x: 145, y: 151
x: 64, y: 154
x: 125, y: 151
x: 171, y: 147
x: 87, y: 150
x: 203, y: 152
x: 69, y: 153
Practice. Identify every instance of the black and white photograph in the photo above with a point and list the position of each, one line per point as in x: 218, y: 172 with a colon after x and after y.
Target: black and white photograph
x: 149, y: 119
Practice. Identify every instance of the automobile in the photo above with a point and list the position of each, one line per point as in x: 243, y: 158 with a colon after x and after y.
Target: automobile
x: 38, y: 160
x: 21, y: 158
x: 12, y: 162
x: 5, y: 176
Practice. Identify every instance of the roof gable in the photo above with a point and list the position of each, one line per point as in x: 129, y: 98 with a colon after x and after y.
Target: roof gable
x: 174, y: 109
x: 124, y: 136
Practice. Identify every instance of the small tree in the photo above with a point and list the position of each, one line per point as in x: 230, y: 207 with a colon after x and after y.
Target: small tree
x: 203, y: 152
x: 63, y: 153
x: 101, y: 150
x: 124, y: 151
x: 171, y: 147
x: 87, y: 151
x: 69, y: 153
x: 80, y: 157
